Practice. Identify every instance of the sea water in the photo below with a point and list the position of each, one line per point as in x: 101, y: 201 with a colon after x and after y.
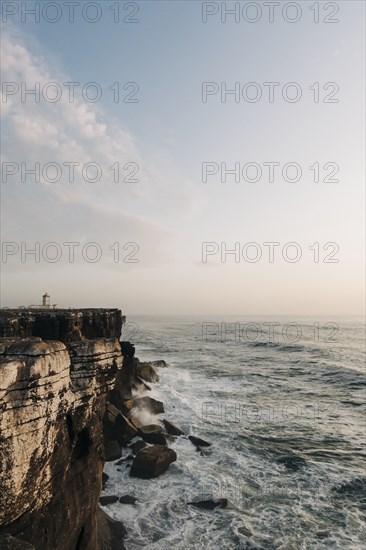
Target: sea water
x: 283, y: 403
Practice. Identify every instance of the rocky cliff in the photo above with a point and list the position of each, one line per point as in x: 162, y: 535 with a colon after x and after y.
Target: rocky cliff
x: 53, y: 398
x: 65, y: 325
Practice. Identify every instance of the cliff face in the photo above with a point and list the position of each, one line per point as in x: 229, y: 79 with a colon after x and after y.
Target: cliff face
x: 52, y: 402
x: 65, y: 325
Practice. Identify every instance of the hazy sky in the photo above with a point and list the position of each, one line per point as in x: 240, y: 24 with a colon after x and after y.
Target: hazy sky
x: 167, y: 134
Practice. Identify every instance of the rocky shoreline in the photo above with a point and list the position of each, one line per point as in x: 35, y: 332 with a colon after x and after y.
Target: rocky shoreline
x: 67, y: 407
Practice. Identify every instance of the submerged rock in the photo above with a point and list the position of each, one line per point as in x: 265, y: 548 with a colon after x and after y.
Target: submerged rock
x: 152, y: 461
x: 292, y: 462
x: 198, y: 441
x: 209, y: 504
x: 171, y: 428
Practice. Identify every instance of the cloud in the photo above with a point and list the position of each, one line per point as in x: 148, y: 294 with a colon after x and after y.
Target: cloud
x: 81, y: 132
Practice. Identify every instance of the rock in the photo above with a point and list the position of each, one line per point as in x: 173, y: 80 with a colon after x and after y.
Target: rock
x: 7, y: 542
x: 110, y: 499
x: 158, y: 364
x: 146, y: 371
x: 171, y: 428
x: 112, y: 450
x: 204, y: 452
x: 292, y: 462
x: 153, y: 434
x: 117, y: 426
x: 145, y: 403
x: 136, y: 447
x: 105, y: 478
x: 143, y: 383
x: 135, y: 422
x: 110, y: 532
x: 152, y: 461
x: 199, y: 442
x: 52, y: 401
x: 209, y: 504
x: 127, y: 499
x: 63, y: 325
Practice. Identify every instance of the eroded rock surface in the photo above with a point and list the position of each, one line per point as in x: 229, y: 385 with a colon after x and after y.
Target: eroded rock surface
x: 52, y: 402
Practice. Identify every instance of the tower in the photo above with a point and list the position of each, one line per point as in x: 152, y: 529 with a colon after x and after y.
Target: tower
x: 46, y: 301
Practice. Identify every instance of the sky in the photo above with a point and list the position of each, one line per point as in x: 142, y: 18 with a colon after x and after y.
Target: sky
x: 153, y: 234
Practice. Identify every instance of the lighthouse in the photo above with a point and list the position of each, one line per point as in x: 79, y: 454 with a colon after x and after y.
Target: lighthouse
x: 46, y: 301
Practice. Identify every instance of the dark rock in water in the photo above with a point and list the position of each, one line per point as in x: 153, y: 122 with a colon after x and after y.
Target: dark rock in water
x: 136, y: 447
x: 146, y: 371
x: 171, y: 428
x: 146, y: 403
x: 113, y: 450
x: 209, y: 504
x: 105, y: 478
x: 153, y: 434
x: 152, y: 461
x: 7, y: 542
x: 104, y: 501
x: 135, y: 422
x: 292, y: 462
x: 127, y: 499
x: 117, y: 426
x: 199, y: 442
x: 204, y: 452
x: 143, y: 383
x: 160, y: 364
x: 110, y: 532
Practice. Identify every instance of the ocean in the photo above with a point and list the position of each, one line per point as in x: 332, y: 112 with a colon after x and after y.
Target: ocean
x: 283, y: 402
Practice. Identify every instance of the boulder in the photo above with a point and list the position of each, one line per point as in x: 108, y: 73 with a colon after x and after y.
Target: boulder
x: 152, y: 461
x: 112, y: 450
x: 135, y: 422
x: 142, y: 382
x: 110, y: 532
x: 127, y: 499
x: 199, y: 442
x: 209, y: 504
x: 171, y: 428
x: 153, y: 434
x: 145, y: 403
x: 117, y: 426
x: 158, y: 364
x: 147, y: 372
x: 136, y: 447
x: 110, y: 499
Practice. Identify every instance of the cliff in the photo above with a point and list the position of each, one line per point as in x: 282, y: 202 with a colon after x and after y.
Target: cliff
x: 53, y: 397
x: 65, y: 325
